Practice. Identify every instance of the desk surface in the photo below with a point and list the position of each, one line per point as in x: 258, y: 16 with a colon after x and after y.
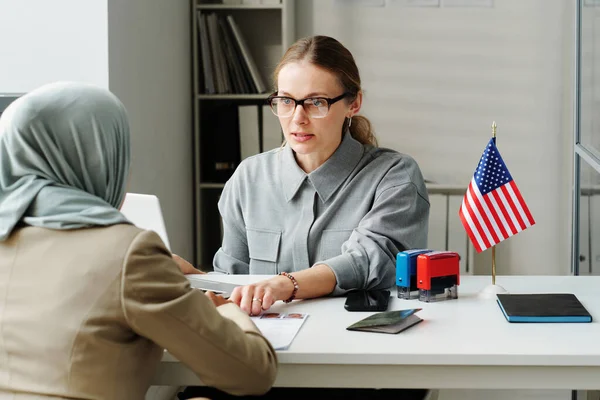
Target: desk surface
x: 463, y: 343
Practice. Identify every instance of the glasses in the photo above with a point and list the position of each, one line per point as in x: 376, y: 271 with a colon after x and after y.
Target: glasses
x: 315, y: 107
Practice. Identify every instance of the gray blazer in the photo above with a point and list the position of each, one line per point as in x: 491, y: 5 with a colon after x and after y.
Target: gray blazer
x: 354, y: 213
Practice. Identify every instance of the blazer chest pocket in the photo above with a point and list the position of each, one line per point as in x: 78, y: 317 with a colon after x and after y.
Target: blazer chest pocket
x: 332, y: 241
x: 263, y: 249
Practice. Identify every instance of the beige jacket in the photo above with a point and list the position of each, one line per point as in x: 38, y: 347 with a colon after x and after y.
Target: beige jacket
x: 86, y: 314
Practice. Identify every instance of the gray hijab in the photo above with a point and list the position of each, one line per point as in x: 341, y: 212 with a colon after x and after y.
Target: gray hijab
x: 64, y: 158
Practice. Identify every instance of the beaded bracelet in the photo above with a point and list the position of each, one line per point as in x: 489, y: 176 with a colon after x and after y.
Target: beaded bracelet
x: 294, y: 282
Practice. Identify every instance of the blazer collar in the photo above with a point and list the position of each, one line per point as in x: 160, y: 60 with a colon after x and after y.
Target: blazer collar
x: 328, y: 177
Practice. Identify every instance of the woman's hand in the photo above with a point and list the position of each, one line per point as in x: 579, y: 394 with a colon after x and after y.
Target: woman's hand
x: 216, y: 299
x: 261, y: 296
x: 185, y: 266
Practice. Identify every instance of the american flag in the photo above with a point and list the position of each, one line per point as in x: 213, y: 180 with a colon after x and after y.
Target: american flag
x: 493, y: 209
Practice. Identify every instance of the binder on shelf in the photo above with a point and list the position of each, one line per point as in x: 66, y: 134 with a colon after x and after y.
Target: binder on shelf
x: 207, y: 74
x: 234, y: 79
x: 271, y: 134
x: 228, y: 59
x: 241, y: 77
x: 249, y: 135
x: 249, y: 61
x: 219, y: 65
x: 220, y: 146
x: 228, y: 66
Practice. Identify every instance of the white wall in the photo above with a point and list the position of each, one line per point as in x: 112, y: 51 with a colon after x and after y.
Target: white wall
x: 140, y: 50
x: 150, y: 71
x: 45, y: 41
x: 435, y: 79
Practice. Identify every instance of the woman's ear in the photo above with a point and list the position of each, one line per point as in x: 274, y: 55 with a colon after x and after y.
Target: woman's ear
x: 355, y: 105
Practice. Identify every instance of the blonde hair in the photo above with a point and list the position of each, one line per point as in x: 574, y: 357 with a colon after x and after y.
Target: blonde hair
x: 327, y: 53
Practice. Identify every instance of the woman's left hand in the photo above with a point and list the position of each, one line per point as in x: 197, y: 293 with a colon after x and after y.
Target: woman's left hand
x: 260, y: 296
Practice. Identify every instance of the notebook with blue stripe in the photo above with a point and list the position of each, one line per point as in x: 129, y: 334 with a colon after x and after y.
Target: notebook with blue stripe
x: 544, y: 307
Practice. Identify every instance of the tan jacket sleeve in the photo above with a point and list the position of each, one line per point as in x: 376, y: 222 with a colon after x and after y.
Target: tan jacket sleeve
x: 222, y: 346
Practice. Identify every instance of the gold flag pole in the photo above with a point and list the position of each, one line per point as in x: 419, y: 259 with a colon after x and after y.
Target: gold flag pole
x: 494, y: 246
x: 494, y: 265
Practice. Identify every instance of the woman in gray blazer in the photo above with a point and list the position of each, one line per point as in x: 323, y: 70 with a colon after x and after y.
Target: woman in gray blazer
x: 88, y: 302
x: 328, y: 211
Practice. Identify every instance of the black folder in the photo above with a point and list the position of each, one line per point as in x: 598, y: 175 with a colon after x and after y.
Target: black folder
x: 545, y: 307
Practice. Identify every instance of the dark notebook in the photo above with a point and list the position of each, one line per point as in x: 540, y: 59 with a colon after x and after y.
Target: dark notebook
x: 546, y: 307
x: 387, y: 322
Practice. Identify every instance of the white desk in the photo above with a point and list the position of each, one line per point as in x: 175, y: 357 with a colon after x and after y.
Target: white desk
x: 463, y: 344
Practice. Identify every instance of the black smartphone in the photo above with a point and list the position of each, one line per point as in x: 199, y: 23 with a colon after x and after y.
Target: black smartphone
x: 367, y: 300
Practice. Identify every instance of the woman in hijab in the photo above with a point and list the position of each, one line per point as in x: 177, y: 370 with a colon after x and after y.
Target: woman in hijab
x: 88, y: 302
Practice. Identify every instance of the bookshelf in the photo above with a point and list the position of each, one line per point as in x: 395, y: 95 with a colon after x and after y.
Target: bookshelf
x: 230, y: 120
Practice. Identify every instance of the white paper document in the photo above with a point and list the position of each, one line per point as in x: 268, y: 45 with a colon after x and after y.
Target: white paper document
x: 280, y: 328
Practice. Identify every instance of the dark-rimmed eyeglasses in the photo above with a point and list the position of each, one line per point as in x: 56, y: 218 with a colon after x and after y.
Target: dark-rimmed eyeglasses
x: 315, y: 107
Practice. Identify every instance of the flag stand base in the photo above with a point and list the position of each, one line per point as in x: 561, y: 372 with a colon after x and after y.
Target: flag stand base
x: 490, y: 292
